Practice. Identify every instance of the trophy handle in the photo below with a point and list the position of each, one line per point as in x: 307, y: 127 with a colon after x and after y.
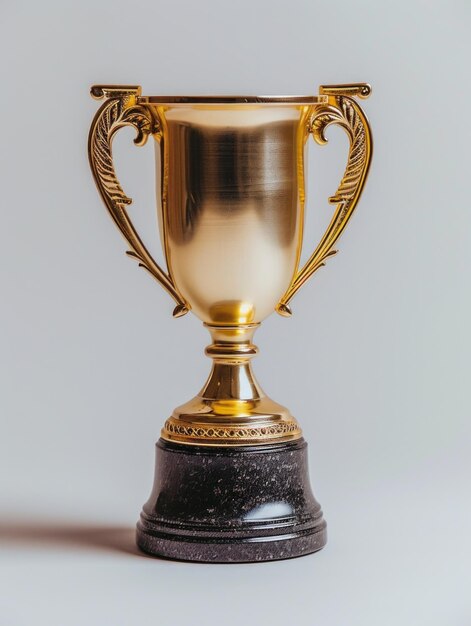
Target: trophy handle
x: 122, y: 108
x: 340, y: 109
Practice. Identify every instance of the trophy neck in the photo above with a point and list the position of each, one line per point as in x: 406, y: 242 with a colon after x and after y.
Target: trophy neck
x: 231, y: 343
x: 232, y: 380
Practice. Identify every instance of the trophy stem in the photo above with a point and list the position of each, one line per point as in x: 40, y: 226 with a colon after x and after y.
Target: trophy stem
x: 230, y: 381
x: 231, y: 409
x: 231, y: 376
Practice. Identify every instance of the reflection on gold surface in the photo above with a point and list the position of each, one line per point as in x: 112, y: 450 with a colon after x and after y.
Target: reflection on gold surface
x: 232, y: 312
x: 232, y: 200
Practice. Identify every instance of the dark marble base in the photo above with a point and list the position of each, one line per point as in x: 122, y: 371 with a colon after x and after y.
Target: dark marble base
x: 222, y: 505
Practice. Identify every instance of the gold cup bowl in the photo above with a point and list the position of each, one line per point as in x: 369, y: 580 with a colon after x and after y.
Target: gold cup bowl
x: 231, y: 193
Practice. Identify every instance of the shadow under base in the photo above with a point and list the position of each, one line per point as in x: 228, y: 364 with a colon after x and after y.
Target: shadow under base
x: 231, y: 505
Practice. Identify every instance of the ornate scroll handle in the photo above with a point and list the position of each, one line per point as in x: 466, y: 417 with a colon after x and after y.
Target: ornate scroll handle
x: 343, y: 110
x: 122, y: 108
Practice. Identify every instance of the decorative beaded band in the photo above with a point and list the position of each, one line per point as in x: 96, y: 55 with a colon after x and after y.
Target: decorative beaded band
x: 230, y: 434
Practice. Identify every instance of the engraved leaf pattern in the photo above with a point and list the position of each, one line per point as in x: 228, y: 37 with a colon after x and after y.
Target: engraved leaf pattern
x: 113, y: 115
x: 346, y: 114
x: 347, y: 117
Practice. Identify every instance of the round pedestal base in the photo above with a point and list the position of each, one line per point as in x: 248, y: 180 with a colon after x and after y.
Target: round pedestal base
x: 231, y: 505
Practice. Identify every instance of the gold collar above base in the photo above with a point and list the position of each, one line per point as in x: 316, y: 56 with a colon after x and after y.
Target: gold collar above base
x: 249, y: 433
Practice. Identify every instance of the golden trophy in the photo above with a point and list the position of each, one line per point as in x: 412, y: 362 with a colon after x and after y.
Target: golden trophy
x: 231, y: 481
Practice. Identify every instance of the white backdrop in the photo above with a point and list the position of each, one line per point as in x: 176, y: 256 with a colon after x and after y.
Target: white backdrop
x: 374, y: 362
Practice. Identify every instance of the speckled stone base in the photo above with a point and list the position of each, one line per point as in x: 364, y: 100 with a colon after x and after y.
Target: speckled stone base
x: 231, y: 505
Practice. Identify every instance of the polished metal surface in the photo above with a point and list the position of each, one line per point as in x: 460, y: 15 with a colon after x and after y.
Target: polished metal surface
x: 231, y: 203
x: 230, y: 200
x: 239, y: 100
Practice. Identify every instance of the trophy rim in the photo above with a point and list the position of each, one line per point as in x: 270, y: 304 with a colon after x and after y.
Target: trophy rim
x: 232, y: 99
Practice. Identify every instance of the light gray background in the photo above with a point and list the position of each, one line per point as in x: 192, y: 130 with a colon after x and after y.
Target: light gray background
x: 374, y: 363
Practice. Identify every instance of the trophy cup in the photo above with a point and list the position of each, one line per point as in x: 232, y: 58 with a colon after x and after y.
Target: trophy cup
x: 231, y: 480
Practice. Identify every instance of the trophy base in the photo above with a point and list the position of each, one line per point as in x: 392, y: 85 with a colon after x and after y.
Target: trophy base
x: 231, y: 505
